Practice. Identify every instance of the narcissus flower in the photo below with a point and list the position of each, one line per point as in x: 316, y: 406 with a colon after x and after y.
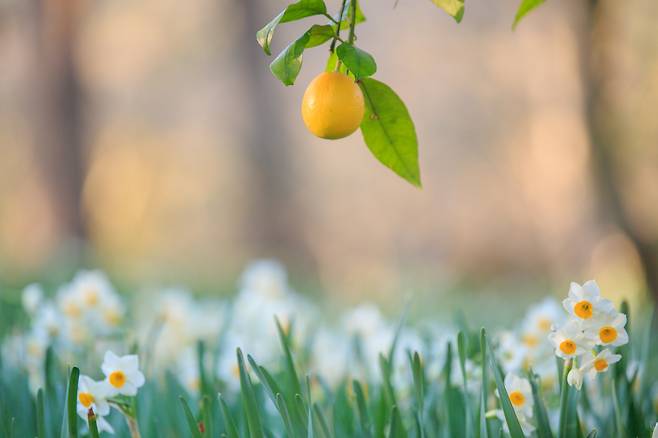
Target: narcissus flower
x: 585, y: 302
x: 520, y: 394
x: 600, y: 363
x: 571, y: 340
x: 122, y: 373
x: 92, y: 394
x: 609, y: 329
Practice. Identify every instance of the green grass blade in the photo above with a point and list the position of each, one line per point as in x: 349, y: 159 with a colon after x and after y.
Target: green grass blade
x: 285, y: 414
x: 564, y: 400
x: 619, y: 425
x: 418, y: 375
x: 229, y: 425
x: 398, y: 330
x: 249, y: 403
x: 362, y: 407
x: 93, y: 427
x: 454, y: 414
x: 265, y: 378
x: 300, y: 420
x: 71, y: 416
x: 41, y: 415
x: 191, y: 421
x: 541, y: 416
x: 482, y: 431
x: 389, y: 393
x: 206, y: 415
x: 508, y: 410
x: 468, y: 417
x: 396, y: 429
x: 293, y: 377
x: 324, y: 425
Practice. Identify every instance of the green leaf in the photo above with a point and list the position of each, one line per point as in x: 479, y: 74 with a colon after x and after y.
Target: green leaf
x: 508, y: 410
x: 387, y: 386
x: 482, y: 431
x: 191, y: 421
x: 72, y: 403
x: 229, y: 424
x: 525, y: 7
x: 41, y: 415
x: 358, y: 61
x: 468, y: 418
x: 285, y: 414
x: 364, y: 417
x: 396, y: 429
x: 564, y: 401
x: 288, y: 63
x: 93, y: 427
x: 539, y: 409
x: 290, y: 364
x: 389, y: 131
x: 319, y: 34
x: 454, y: 8
x: 249, y: 403
x: 295, y: 11
x: 324, y: 426
x: 619, y: 425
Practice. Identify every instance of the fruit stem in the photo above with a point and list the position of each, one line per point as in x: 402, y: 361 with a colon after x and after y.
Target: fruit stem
x: 352, y: 36
x: 340, y: 21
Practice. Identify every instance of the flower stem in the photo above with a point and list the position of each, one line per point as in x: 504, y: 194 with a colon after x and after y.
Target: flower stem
x: 564, y: 399
x: 134, y: 428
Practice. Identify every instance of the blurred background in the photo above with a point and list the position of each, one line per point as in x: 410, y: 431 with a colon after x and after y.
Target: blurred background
x: 148, y: 138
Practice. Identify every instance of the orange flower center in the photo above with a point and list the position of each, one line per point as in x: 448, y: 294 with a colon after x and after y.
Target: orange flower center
x: 517, y: 398
x: 568, y: 346
x: 583, y: 309
x: 607, y: 334
x: 117, y: 379
x: 530, y: 341
x: 91, y: 297
x: 600, y: 365
x: 544, y: 324
x: 86, y: 399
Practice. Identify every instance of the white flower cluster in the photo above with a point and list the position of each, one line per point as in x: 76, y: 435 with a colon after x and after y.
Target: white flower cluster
x: 593, y: 326
x: 122, y: 377
x: 84, y: 310
x: 519, y: 392
x: 85, y: 316
x: 527, y: 346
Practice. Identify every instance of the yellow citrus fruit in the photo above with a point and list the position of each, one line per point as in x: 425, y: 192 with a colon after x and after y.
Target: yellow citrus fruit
x: 332, y: 106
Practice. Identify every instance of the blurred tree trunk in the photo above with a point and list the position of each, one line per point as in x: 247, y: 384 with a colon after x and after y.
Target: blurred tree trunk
x: 275, y: 216
x: 56, y: 104
x: 599, y: 118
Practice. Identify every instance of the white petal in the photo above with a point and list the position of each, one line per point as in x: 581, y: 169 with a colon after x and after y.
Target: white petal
x: 130, y: 363
x: 591, y: 289
x: 109, y: 363
x: 103, y: 407
x: 128, y: 389
x: 103, y: 425
x: 620, y: 320
x: 622, y: 338
x: 136, y: 378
